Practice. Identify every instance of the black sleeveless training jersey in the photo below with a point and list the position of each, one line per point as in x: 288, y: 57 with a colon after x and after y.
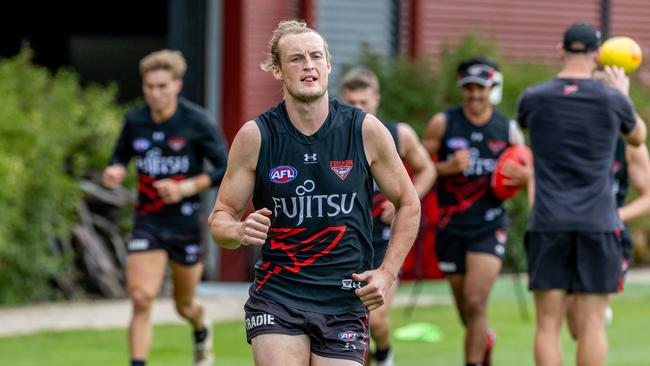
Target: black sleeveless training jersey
x: 621, y: 179
x: 319, y: 189
x: 173, y: 149
x: 380, y: 230
x: 466, y: 199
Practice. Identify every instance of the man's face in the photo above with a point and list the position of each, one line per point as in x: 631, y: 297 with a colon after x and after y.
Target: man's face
x: 304, y: 68
x: 160, y: 89
x: 365, y: 99
x: 476, y: 97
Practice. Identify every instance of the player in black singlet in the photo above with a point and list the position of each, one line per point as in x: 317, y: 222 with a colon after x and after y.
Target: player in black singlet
x: 360, y: 88
x: 309, y: 165
x: 169, y: 138
x: 634, y: 168
x: 472, y: 231
x: 572, y: 241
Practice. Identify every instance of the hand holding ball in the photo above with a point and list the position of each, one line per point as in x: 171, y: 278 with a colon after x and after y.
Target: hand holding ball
x: 623, y: 52
x: 509, y: 172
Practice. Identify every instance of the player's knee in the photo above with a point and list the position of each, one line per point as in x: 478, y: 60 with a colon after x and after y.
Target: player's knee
x: 475, y: 306
x: 572, y: 325
x: 379, y: 323
x: 184, y: 308
x: 592, y: 321
x: 550, y: 324
x: 142, y: 300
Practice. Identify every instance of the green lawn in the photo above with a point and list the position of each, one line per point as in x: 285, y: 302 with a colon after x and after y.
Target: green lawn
x: 627, y: 335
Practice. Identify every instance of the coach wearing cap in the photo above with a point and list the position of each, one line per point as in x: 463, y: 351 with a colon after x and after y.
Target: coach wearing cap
x: 571, y: 242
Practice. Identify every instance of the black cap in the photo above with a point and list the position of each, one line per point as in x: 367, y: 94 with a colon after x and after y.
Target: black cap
x: 478, y: 70
x: 581, y: 37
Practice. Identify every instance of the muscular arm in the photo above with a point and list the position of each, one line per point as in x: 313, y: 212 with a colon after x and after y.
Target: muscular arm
x: 432, y: 141
x: 637, y: 136
x: 616, y: 78
x: 424, y: 172
x: 434, y: 133
x: 390, y: 174
x: 235, y: 191
x: 639, y: 171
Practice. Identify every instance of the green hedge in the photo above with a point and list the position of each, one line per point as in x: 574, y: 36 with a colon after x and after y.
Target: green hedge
x: 412, y: 91
x: 52, y: 132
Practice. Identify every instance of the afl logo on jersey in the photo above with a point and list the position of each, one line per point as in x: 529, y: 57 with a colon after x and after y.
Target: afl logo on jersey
x: 283, y: 174
x: 141, y: 145
x: 457, y: 143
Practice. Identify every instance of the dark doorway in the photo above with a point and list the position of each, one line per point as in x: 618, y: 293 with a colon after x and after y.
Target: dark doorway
x: 102, y: 41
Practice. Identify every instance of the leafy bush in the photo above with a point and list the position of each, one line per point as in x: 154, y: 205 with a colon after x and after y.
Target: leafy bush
x: 52, y: 132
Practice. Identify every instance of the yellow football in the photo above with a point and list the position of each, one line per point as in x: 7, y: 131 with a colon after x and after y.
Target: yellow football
x: 621, y: 51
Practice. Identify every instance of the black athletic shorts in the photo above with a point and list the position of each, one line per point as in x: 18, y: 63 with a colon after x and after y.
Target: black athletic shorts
x: 452, y: 246
x: 182, y: 246
x: 575, y: 261
x: 341, y: 336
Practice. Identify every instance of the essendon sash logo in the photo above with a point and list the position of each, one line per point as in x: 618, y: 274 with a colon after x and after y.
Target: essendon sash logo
x: 570, y: 89
x: 177, y: 143
x: 496, y: 146
x: 341, y: 167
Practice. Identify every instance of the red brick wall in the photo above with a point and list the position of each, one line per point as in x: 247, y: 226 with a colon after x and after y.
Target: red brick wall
x: 522, y: 28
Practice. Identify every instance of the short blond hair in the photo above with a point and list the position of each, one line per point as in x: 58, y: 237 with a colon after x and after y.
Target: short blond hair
x: 170, y: 60
x: 284, y: 28
x: 360, y: 78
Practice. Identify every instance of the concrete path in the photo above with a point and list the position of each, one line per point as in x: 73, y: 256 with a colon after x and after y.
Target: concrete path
x: 223, y: 301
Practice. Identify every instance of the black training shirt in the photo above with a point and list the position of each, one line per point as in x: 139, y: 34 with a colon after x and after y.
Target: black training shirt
x: 574, y: 125
x: 465, y: 199
x: 173, y: 149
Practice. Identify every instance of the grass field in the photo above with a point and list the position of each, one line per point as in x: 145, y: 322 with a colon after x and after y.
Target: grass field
x: 627, y: 335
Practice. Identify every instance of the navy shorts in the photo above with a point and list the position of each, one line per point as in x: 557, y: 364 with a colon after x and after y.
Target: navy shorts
x: 452, y: 246
x: 341, y: 336
x: 182, y: 246
x: 575, y: 261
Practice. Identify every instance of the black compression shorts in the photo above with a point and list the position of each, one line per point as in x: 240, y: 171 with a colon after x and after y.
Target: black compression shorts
x: 341, y: 336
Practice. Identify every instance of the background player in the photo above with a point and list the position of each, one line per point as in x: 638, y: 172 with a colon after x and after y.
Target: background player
x: 631, y: 165
x: 472, y: 234
x: 360, y: 88
x: 169, y: 138
x: 571, y: 242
